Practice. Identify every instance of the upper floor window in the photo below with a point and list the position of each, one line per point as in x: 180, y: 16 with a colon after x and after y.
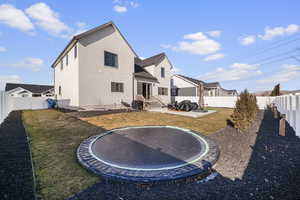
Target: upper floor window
x: 61, y: 64
x: 117, y: 87
x: 162, y: 72
x: 110, y: 59
x: 75, y: 51
x: 67, y: 59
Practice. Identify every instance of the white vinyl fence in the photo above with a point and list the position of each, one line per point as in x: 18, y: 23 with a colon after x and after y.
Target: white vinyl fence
x: 287, y: 104
x: 9, y: 103
x: 290, y: 106
x: 226, y: 101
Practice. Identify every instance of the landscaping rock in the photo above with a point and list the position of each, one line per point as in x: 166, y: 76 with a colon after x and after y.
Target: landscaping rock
x: 16, y: 179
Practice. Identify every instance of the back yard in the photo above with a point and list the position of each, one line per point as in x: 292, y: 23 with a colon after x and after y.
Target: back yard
x: 55, y: 137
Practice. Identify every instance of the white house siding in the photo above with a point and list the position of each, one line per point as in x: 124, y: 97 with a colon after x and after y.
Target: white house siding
x: 179, y: 83
x: 68, y: 79
x: 150, y: 69
x: 163, y: 82
x: 95, y: 78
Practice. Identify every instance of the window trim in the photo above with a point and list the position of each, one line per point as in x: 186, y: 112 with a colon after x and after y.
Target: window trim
x: 162, y: 72
x: 116, y: 55
x: 163, y: 91
x: 119, y: 87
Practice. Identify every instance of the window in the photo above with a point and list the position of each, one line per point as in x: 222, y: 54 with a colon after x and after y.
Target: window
x: 162, y: 91
x: 61, y: 64
x: 162, y: 72
x: 59, y: 90
x: 117, y: 87
x: 67, y: 59
x: 75, y: 51
x: 110, y: 59
x: 174, y: 92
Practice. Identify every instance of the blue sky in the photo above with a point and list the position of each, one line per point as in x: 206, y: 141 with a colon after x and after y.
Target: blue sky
x: 242, y: 44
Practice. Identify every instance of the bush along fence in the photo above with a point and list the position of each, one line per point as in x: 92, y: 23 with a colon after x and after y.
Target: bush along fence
x: 245, y: 111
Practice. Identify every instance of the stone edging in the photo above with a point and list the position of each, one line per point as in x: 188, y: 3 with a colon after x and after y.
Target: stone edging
x: 200, y: 167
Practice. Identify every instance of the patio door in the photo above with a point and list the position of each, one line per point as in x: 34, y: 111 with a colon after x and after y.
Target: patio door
x: 144, y: 89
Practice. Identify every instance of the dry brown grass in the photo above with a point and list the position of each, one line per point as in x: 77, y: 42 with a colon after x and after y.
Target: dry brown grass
x: 207, y: 124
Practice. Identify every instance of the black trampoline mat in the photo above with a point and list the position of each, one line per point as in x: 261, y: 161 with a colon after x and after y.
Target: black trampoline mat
x: 148, y: 147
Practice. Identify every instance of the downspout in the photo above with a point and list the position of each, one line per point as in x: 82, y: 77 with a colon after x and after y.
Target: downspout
x: 132, y: 87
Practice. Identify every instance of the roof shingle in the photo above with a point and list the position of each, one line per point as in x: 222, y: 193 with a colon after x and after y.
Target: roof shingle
x: 30, y: 87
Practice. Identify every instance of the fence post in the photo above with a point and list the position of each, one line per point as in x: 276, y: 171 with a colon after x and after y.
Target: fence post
x: 282, y: 125
x: 297, y: 118
x: 275, y: 112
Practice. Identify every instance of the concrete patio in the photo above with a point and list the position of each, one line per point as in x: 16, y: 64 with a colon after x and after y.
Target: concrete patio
x: 182, y: 113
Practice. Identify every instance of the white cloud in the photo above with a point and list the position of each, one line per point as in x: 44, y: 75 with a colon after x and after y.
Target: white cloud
x: 270, y: 33
x: 247, y: 40
x: 195, y: 36
x: 287, y: 73
x: 216, y: 56
x: 120, y: 9
x: 33, y: 64
x: 195, y: 43
x: 46, y: 18
x: 80, y: 28
x: 8, y: 79
x: 236, y: 71
x: 2, y: 49
x: 134, y: 4
x: 15, y: 18
x: 214, y: 33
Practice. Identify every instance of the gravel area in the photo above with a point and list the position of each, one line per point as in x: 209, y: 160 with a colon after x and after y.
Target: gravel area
x: 258, y: 164
x: 16, y: 180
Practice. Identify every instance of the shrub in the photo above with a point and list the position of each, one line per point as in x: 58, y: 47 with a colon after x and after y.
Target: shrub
x: 276, y: 90
x: 245, y: 111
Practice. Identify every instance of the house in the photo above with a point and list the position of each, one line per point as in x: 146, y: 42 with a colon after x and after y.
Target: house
x: 29, y: 90
x: 99, y: 67
x: 187, y: 86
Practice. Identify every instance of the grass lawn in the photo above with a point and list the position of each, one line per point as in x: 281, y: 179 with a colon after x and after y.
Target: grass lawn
x: 55, y: 137
x: 207, y: 124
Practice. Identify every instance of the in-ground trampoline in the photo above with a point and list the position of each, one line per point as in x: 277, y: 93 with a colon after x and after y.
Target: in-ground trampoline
x: 148, y: 154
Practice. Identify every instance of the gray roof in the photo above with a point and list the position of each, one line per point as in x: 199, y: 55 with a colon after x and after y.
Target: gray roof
x: 195, y: 81
x: 81, y: 35
x: 212, y: 85
x: 153, y: 60
x: 30, y: 87
x: 198, y: 82
x: 230, y: 91
x: 142, y: 73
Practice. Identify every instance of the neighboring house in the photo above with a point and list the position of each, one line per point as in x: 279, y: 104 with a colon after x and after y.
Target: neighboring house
x: 99, y: 67
x: 186, y: 86
x: 29, y: 90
